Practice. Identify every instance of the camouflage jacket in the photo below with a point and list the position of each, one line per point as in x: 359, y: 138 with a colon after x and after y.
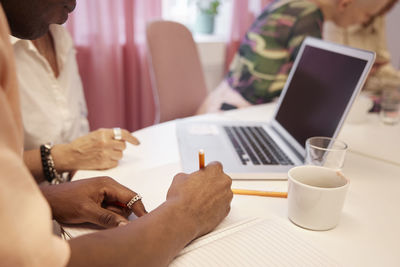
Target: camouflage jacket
x: 261, y: 66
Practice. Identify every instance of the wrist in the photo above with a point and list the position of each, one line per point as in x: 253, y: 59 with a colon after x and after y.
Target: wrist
x: 63, y: 160
x: 50, y: 194
x: 184, y: 218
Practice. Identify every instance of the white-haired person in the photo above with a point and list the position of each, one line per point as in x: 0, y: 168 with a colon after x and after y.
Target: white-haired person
x: 370, y: 36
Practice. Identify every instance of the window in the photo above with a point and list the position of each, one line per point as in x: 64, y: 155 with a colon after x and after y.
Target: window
x: 185, y: 12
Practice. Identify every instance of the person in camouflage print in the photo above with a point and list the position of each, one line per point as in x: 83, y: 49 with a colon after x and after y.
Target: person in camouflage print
x: 261, y: 66
x: 263, y: 61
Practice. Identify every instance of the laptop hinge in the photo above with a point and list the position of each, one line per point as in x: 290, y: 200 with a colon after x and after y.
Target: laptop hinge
x: 296, y: 153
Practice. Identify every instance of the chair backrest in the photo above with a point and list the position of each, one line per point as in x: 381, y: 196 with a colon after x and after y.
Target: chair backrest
x: 176, y: 70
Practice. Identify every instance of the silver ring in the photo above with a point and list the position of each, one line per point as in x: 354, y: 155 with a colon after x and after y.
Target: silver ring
x: 133, y: 201
x: 117, y: 133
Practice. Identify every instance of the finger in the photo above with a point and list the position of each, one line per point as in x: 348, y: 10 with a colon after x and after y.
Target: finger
x: 181, y: 176
x: 120, y: 193
x: 116, y: 155
x: 105, y: 218
x: 138, y: 208
x: 128, y: 137
x: 117, y: 145
x: 215, y: 166
x: 123, y: 211
x: 108, y: 165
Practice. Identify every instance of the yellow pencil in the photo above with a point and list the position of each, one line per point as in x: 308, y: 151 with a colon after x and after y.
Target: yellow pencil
x: 259, y: 193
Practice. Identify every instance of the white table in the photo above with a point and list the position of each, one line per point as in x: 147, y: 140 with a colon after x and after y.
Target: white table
x: 374, y: 139
x: 369, y: 231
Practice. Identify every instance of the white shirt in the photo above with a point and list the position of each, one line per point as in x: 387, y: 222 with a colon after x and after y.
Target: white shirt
x: 53, y: 108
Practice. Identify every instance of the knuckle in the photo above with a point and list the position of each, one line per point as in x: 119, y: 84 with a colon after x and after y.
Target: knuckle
x: 228, y: 209
x: 180, y: 175
x: 228, y: 180
x: 107, y: 179
x: 84, y: 207
x: 100, y: 132
x: 216, y: 165
x: 103, y: 130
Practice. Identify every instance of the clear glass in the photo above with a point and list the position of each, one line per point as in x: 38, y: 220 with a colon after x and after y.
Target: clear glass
x: 326, y: 152
x: 390, y: 107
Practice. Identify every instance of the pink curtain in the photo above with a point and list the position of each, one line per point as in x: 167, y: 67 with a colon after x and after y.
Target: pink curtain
x: 110, y: 40
x: 243, y: 17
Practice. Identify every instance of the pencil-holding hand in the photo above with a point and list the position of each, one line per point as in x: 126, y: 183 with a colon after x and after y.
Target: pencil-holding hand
x: 204, y: 197
x: 91, y: 200
x: 97, y: 150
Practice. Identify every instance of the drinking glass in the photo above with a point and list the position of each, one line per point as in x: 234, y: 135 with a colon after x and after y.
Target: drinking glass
x: 326, y: 152
x: 390, y: 107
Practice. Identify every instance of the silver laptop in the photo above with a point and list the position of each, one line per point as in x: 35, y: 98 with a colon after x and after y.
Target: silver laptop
x: 321, y: 87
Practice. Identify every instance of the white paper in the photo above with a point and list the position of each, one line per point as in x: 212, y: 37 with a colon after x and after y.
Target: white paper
x: 257, y: 242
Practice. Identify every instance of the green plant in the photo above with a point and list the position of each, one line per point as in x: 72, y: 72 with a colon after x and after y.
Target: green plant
x: 209, y: 7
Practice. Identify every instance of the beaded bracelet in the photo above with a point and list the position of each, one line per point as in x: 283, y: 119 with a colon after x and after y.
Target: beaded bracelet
x: 49, y: 170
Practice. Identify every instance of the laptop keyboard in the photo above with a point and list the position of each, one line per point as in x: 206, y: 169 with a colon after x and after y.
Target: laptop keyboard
x: 255, y: 145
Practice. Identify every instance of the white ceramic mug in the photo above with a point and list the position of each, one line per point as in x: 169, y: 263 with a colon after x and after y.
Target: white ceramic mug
x: 316, y: 197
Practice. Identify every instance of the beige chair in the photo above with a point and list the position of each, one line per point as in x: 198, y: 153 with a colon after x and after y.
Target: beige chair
x: 177, y: 74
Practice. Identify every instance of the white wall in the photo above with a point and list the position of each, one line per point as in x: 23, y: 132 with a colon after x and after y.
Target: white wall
x: 212, y: 57
x: 393, y: 34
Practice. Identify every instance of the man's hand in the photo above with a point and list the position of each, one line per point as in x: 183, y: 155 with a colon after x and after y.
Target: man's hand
x: 97, y: 150
x: 91, y: 200
x: 204, y: 197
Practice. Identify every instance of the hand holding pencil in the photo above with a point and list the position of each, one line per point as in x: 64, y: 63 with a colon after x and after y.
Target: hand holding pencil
x: 244, y: 191
x: 205, y: 196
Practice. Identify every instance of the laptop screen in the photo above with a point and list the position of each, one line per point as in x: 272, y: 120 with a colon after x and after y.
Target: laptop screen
x: 319, y: 92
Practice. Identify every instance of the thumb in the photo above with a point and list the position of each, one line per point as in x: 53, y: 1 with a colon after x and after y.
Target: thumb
x: 128, y: 137
x: 106, y: 218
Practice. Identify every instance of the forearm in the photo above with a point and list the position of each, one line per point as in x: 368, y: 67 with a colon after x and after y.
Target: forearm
x: 33, y: 161
x: 152, y: 240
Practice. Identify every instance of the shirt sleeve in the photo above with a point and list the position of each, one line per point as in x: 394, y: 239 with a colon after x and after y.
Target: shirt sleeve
x: 308, y: 24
